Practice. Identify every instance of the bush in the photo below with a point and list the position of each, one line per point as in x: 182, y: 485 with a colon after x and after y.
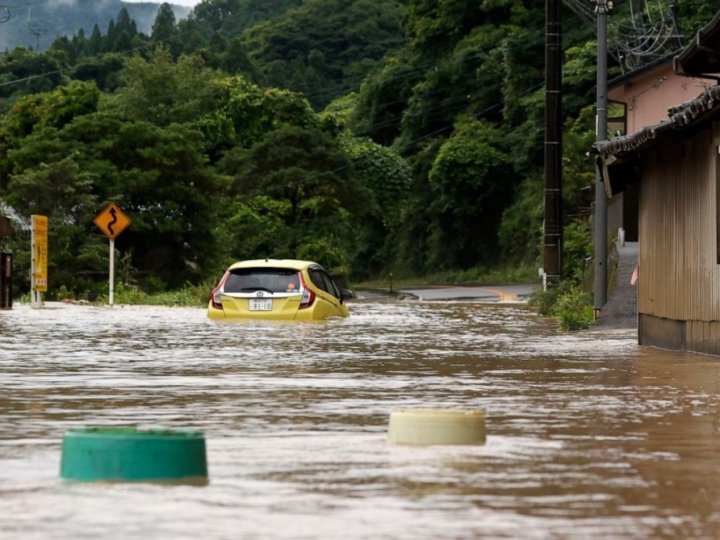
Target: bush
x: 189, y: 295
x: 568, y: 303
x: 574, y: 309
x: 577, y: 250
x: 543, y: 301
x: 128, y: 294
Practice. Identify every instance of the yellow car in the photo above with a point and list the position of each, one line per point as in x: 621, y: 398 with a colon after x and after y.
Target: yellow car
x: 275, y: 289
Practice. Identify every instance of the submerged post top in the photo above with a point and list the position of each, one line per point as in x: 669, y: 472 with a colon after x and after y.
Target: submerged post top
x: 426, y: 427
x: 134, y: 432
x: 127, y: 454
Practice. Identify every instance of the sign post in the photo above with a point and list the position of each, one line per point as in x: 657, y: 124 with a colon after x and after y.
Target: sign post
x: 112, y: 222
x: 111, y: 284
x: 39, y: 259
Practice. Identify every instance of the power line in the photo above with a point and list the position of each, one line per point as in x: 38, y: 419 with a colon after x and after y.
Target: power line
x: 639, y: 31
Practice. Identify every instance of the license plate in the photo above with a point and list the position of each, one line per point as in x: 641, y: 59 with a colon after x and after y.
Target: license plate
x: 260, y: 305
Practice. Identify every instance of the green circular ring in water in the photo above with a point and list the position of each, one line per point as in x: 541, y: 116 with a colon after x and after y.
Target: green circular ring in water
x: 132, y: 455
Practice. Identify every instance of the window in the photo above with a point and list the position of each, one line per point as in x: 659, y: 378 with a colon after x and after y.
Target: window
x: 322, y: 280
x: 275, y: 280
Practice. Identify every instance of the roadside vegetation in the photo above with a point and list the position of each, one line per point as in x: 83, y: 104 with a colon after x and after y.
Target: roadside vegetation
x: 571, y: 300
x: 377, y: 137
x: 188, y: 295
x: 472, y: 276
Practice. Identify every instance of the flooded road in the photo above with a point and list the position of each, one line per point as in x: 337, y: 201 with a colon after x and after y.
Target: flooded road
x: 589, y: 435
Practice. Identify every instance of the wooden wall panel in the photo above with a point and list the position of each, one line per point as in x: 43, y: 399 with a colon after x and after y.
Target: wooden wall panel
x: 679, y: 275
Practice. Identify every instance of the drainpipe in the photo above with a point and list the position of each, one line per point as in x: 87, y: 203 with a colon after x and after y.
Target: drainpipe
x: 602, y: 7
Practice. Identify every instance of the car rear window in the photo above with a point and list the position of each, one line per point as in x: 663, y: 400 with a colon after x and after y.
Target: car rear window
x: 275, y: 280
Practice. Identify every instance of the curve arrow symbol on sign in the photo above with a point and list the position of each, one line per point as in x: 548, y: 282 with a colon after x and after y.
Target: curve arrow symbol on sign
x: 113, y: 213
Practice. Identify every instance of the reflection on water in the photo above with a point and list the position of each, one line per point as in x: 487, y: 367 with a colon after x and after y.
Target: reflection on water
x: 589, y: 435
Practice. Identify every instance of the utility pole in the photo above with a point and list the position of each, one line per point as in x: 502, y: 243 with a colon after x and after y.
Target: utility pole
x: 37, y: 31
x: 602, y: 7
x: 552, y: 252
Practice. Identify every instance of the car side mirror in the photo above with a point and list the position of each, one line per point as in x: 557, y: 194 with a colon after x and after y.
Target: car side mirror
x: 346, y: 294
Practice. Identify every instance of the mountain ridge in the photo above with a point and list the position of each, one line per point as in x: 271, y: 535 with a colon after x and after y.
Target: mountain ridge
x: 38, y: 25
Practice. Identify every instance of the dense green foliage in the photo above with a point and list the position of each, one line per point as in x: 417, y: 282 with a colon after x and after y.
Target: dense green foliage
x: 325, y: 48
x: 374, y: 136
x: 570, y: 302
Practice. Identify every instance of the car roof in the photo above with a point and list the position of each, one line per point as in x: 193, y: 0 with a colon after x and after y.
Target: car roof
x: 293, y: 264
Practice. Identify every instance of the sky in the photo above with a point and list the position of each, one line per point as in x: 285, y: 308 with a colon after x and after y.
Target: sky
x: 188, y: 3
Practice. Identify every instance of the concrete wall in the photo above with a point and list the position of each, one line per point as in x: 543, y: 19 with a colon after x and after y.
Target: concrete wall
x: 693, y: 336
x: 650, y: 95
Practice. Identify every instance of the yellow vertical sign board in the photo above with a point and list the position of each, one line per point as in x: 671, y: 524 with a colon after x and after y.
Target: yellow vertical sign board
x: 39, y: 253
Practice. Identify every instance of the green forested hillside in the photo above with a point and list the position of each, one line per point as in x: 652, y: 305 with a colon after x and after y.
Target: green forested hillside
x: 37, y: 24
x: 374, y: 136
x: 325, y: 48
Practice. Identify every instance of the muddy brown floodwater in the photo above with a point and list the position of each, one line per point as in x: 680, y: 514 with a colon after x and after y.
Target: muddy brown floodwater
x: 589, y: 435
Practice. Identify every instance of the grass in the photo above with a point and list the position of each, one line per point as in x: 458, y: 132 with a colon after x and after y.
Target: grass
x: 188, y: 296
x: 473, y: 276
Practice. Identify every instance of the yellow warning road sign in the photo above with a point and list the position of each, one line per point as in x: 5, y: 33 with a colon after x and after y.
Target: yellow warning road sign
x: 112, y: 221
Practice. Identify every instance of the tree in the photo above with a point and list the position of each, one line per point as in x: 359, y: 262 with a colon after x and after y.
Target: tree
x: 62, y: 191
x: 95, y: 43
x: 163, y: 91
x: 160, y: 177
x: 465, y: 61
x: 164, y: 184
x: 236, y: 60
x: 215, y: 13
x: 246, y: 113
x: 123, y: 23
x: 325, y: 47
x: 384, y: 98
x: 434, y: 27
x: 386, y: 177
x: 111, y: 36
x: 232, y: 17
x: 472, y: 180
x: 302, y: 178
x: 80, y: 43
x: 164, y: 29
x: 103, y: 69
x: 50, y: 109
x: 38, y: 72
x: 158, y: 174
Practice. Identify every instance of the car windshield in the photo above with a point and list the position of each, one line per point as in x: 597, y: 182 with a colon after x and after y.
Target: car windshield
x: 275, y: 280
